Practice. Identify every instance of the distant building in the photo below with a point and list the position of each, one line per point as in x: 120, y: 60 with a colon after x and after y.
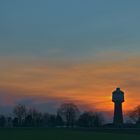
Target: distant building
x: 118, y: 99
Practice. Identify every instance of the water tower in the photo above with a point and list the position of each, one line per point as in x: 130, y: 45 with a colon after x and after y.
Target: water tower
x: 118, y: 99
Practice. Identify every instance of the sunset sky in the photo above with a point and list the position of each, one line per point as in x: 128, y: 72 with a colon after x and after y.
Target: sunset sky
x: 54, y: 51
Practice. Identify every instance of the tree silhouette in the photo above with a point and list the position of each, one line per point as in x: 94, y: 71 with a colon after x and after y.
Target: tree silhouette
x: 98, y: 119
x: 15, y: 122
x: 86, y: 119
x: 135, y: 115
x: 52, y: 121
x: 9, y: 122
x: 2, y: 121
x: 20, y: 113
x: 69, y: 112
x: 45, y: 119
x: 59, y: 121
x: 90, y: 119
x: 28, y: 121
x: 35, y: 117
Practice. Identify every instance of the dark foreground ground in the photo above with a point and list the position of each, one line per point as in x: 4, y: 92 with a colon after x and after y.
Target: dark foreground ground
x: 67, y: 134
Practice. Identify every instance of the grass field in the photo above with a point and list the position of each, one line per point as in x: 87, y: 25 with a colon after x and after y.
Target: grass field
x: 63, y: 134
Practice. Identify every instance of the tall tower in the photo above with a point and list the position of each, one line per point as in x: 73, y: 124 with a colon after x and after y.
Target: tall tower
x: 118, y: 99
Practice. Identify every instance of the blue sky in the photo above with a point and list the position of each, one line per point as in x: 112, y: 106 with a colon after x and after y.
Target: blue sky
x: 68, y: 28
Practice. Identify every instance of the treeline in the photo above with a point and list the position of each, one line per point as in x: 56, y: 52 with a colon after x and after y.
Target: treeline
x: 67, y: 115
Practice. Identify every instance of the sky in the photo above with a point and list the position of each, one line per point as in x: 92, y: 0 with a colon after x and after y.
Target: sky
x: 69, y: 51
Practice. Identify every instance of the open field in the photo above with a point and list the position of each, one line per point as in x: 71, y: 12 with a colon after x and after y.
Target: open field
x: 64, y: 134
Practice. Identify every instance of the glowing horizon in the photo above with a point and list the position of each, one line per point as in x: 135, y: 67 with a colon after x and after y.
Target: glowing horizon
x: 88, y: 83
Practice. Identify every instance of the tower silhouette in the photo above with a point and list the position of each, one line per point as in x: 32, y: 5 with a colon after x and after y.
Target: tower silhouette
x: 118, y: 99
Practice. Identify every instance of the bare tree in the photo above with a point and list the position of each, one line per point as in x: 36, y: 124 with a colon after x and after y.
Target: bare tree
x: 69, y: 113
x: 20, y: 112
x: 135, y: 115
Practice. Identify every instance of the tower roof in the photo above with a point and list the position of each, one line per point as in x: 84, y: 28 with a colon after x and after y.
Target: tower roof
x: 118, y: 90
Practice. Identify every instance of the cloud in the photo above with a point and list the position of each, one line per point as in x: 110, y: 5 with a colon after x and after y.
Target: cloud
x: 88, y: 82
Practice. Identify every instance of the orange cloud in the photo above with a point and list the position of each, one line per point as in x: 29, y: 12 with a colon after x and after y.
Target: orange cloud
x: 88, y: 82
